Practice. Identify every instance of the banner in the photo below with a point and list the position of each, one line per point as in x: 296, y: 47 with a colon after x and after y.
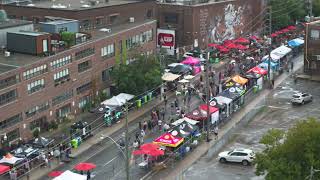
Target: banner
x: 166, y: 39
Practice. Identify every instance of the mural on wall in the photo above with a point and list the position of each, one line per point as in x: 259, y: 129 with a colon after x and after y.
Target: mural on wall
x: 226, y: 25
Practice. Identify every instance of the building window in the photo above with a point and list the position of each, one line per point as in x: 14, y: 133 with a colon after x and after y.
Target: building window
x: 106, y: 75
x: 113, y: 19
x: 13, y: 135
x: 99, y: 20
x: 37, y: 109
x: 9, y: 81
x: 62, y: 29
x: 61, y: 77
x: 84, y: 66
x: 62, y: 97
x: 35, y: 86
x: 149, y: 13
x: 84, y: 87
x: 35, y: 71
x: 83, y: 101
x: 61, y: 62
x: 38, y: 123
x: 107, y: 51
x: 11, y: 121
x: 63, y: 111
x: 314, y: 34
x: 139, y: 39
x: 171, y: 18
x: 8, y: 97
x: 84, y: 53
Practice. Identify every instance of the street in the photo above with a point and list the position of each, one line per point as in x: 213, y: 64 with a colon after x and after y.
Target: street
x: 279, y: 113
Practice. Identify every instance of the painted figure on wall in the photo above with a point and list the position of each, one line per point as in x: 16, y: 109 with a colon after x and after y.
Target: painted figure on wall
x: 226, y: 25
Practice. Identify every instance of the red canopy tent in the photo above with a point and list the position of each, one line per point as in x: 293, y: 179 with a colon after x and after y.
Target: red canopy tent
x: 212, y: 109
x: 291, y: 27
x: 225, y: 42
x: 4, y: 169
x: 149, y: 149
x: 258, y: 70
x: 85, y: 166
x: 167, y: 139
x: 241, y: 47
x: 242, y: 40
x: 285, y: 30
x: 274, y: 34
x: 231, y: 46
x: 213, y: 45
x: 254, y: 37
x: 55, y: 173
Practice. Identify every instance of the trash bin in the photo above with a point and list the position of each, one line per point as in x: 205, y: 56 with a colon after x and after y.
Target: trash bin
x: 149, y: 96
x: 211, y: 60
x: 138, y: 103
x: 145, y: 98
x: 74, y: 143
x: 79, y: 140
x: 217, y: 60
x: 255, y: 89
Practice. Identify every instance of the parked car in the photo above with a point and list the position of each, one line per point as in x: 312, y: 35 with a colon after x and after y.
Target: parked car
x: 244, y: 156
x: 301, y: 98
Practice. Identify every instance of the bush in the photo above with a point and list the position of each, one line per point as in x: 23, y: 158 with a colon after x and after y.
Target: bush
x: 53, y: 125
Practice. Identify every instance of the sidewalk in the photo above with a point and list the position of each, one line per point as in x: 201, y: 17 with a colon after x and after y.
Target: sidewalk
x: 171, y: 172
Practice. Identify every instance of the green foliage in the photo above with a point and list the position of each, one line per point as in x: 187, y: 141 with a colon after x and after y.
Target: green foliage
x: 286, y: 12
x: 36, y: 132
x: 139, y: 76
x: 124, y: 52
x: 69, y: 38
x: 316, y: 8
x: 292, y: 158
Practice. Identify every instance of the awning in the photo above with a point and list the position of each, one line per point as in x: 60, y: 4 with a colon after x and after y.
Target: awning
x: 169, y: 140
x: 68, y: 175
x: 296, y: 42
x: 170, y: 77
x: 281, y: 51
x: 240, y: 80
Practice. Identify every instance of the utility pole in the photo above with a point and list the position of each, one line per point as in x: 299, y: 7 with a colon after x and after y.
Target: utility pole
x: 310, y: 8
x: 208, y: 94
x: 270, y: 44
x: 127, y: 143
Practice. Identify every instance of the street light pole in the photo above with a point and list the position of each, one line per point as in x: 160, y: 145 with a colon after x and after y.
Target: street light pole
x: 127, y: 143
x: 208, y: 94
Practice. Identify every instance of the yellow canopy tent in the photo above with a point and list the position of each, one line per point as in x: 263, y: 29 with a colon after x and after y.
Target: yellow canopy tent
x: 240, y: 80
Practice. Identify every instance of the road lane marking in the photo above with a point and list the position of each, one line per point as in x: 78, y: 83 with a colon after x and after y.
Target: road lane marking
x: 109, y: 161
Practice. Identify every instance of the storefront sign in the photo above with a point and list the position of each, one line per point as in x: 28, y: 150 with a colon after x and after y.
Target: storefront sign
x: 166, y: 39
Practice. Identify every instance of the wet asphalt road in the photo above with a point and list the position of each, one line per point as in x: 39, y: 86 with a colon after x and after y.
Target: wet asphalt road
x: 278, y: 114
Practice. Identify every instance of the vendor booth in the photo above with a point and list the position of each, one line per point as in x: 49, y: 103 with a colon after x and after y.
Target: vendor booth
x: 296, y: 45
x: 194, y: 63
x: 213, y: 111
x: 236, y: 94
x: 167, y: 139
x: 255, y: 76
x: 224, y: 103
x: 10, y: 159
x: 68, y: 175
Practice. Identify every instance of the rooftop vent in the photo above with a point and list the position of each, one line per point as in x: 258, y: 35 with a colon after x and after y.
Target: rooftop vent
x: 131, y: 19
x: 105, y: 30
x: 30, y: 5
x: 85, y: 6
x: 59, y: 6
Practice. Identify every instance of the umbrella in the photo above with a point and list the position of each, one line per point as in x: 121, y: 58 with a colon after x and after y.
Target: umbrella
x: 181, y: 69
x: 4, y: 169
x: 258, y: 70
x: 183, y: 81
x: 213, y: 45
x: 85, y: 166
x: 242, y: 40
x: 291, y: 27
x: 224, y: 50
x: 241, y: 47
x: 55, y: 173
x: 231, y: 46
x: 149, y: 146
x: 274, y: 34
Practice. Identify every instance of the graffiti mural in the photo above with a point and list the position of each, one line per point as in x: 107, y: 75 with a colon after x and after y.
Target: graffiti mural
x: 226, y: 25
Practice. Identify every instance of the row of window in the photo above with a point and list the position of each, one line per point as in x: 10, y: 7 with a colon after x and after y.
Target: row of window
x: 8, y: 97
x: 84, y: 53
x: 61, y: 62
x: 35, y: 86
x: 35, y: 71
x: 62, y: 97
x: 108, y: 51
x: 84, y: 66
x: 84, y: 88
x: 61, y: 76
x: 10, y: 121
x: 139, y: 39
x: 37, y: 109
x: 9, y: 81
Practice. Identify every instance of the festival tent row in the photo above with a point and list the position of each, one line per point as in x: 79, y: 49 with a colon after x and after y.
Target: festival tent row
x: 69, y: 175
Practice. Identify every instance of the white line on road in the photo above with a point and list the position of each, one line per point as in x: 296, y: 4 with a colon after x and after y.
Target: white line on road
x: 109, y: 161
x: 275, y: 107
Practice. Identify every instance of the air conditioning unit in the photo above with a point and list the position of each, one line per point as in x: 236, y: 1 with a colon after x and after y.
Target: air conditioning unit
x: 6, y: 54
x: 318, y: 57
x: 131, y: 19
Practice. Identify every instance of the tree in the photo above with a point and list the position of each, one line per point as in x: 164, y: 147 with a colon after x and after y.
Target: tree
x: 290, y: 155
x: 69, y: 38
x: 316, y: 8
x: 286, y: 12
x: 137, y: 77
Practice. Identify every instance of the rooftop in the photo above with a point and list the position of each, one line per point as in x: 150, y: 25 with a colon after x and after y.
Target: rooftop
x: 29, y: 33
x: 59, y: 22
x: 77, y: 4
x: 12, y: 23
x: 16, y: 60
x: 190, y: 2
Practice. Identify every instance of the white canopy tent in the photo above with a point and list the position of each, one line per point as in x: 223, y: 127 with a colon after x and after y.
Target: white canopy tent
x: 118, y: 100
x: 68, y: 175
x: 281, y: 51
x: 185, y: 119
x: 125, y: 96
x: 170, y: 77
x: 224, y: 100
x: 10, y: 159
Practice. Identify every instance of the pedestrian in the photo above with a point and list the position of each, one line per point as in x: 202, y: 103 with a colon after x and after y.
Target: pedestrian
x: 138, y: 134
x: 165, y: 100
x: 216, y: 132
x: 46, y: 162
x: 145, y: 124
x: 176, y: 104
x: 135, y: 144
x: 88, y: 175
x: 162, y: 113
x: 81, y: 172
x: 291, y: 65
x: 160, y: 124
x: 143, y: 133
x: 149, y: 125
x: 140, y: 125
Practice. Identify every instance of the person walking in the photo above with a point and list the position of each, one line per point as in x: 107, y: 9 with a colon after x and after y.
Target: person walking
x: 216, y: 129
x: 88, y: 175
x: 145, y: 124
x: 291, y: 65
x: 160, y: 124
x: 140, y: 125
x: 162, y: 113
x: 149, y: 125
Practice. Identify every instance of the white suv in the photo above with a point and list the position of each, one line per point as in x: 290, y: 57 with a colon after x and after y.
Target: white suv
x: 301, y: 98
x: 245, y: 156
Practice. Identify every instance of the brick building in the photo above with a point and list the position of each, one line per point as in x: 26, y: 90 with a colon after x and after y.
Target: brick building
x: 312, y: 48
x: 209, y: 21
x: 35, y: 89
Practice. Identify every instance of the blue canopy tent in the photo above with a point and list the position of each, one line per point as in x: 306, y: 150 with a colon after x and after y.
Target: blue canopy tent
x: 265, y: 64
x: 296, y: 42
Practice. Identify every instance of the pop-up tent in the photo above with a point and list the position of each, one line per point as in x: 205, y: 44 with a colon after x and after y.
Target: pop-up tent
x: 281, y: 51
x: 170, y: 77
x: 118, y: 100
x: 185, y: 119
x: 240, y: 80
x: 223, y: 101
x: 68, y: 175
x: 191, y: 61
x: 212, y: 110
x: 4, y: 169
x: 167, y: 139
x: 10, y: 159
x: 258, y: 70
x: 296, y: 42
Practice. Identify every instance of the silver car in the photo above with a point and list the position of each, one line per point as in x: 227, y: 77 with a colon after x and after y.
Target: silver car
x: 301, y: 98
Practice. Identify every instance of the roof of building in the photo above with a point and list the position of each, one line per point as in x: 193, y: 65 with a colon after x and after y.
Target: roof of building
x: 16, y: 60
x: 29, y: 33
x: 79, y: 4
x: 191, y: 2
x: 13, y: 23
x: 57, y: 22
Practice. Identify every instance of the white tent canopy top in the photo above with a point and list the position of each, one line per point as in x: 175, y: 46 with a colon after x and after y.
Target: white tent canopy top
x: 118, y: 100
x: 11, y: 160
x: 281, y: 51
x: 68, y: 175
x: 170, y: 77
x: 185, y: 119
x: 223, y: 100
